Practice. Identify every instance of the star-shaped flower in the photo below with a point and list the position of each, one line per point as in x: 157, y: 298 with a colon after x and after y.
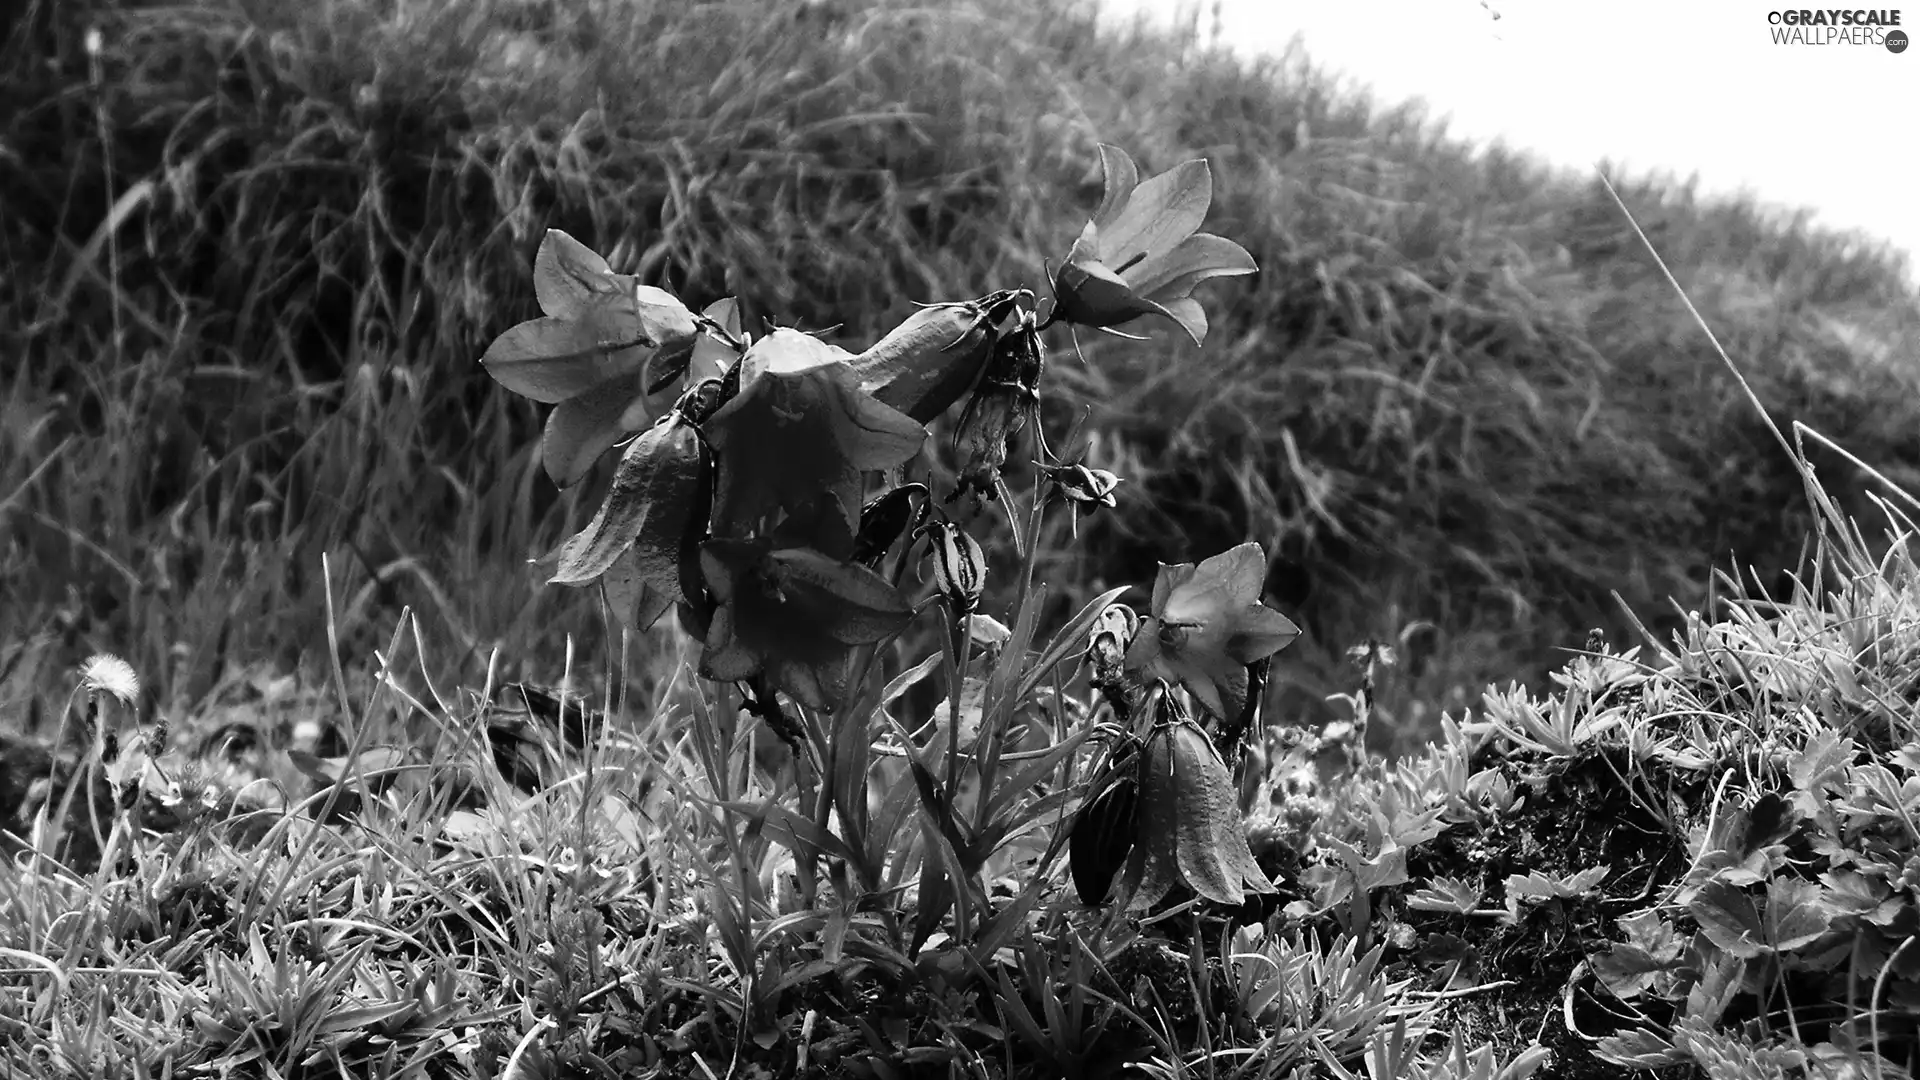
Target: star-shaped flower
x: 1207, y: 625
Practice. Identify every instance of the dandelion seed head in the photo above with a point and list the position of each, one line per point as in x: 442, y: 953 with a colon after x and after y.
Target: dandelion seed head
x: 104, y: 673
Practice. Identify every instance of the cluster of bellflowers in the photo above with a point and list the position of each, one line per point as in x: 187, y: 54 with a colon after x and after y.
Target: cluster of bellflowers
x: 762, y: 494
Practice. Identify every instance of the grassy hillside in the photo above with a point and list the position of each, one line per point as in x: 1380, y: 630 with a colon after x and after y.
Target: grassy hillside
x: 253, y: 249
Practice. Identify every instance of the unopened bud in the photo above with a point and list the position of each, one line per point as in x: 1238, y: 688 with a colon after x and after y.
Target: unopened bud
x: 1008, y: 395
x: 882, y: 522
x: 1107, y: 643
x: 959, y: 566
x: 926, y: 363
x: 702, y: 400
x: 1085, y: 488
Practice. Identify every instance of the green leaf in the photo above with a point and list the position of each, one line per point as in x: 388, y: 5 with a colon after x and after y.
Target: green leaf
x: 1637, y: 1048
x: 895, y: 812
x: 1797, y: 913
x: 1535, y: 886
x: 1730, y: 920
x: 1033, y: 770
x: 1627, y: 970
x: 797, y: 834
x: 1446, y: 894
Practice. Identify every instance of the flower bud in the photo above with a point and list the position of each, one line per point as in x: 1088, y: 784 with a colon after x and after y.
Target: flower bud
x: 882, y: 521
x: 1084, y: 488
x: 927, y: 363
x: 702, y: 400
x: 1113, y: 628
x: 959, y: 566
x: 1008, y: 395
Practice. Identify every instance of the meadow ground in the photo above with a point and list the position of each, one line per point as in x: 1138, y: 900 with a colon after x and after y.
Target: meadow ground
x: 253, y: 250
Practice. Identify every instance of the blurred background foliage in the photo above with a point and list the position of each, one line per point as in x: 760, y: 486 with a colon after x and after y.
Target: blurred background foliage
x: 252, y: 250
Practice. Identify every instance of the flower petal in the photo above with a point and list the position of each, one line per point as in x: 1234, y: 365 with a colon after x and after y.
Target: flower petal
x: 726, y: 658
x: 551, y: 360
x: 1208, y: 813
x: 817, y: 686
x: 1190, y: 316
x: 1216, y: 686
x: 800, y: 422
x: 1160, y: 213
x: 1170, y: 577
x: 1225, y: 582
x: 1153, y: 867
x: 1172, y: 274
x: 651, y: 502
x: 635, y: 604
x: 1121, y: 177
x: 1144, y: 649
x: 587, y: 424
x: 1258, y: 633
x: 852, y: 604
x: 711, y: 358
x: 567, y: 274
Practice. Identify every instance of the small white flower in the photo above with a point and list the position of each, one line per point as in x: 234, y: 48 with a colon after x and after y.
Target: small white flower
x: 105, y: 673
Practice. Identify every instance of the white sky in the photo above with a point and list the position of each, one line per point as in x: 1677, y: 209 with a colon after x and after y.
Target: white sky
x: 1691, y: 87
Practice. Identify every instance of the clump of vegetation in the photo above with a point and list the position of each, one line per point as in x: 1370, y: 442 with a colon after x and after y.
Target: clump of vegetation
x: 900, y: 790
x: 1705, y: 864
